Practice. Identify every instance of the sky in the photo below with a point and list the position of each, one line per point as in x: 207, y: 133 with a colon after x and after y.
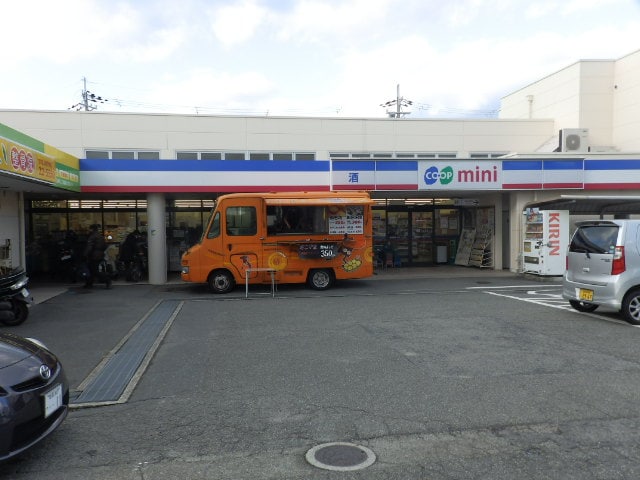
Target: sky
x: 338, y: 58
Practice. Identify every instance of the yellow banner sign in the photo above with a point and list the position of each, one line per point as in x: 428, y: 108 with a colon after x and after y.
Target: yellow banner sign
x: 26, y: 162
x: 25, y: 156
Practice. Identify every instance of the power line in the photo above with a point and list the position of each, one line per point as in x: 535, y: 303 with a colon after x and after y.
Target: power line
x: 399, y: 102
x: 90, y: 100
x: 458, y: 111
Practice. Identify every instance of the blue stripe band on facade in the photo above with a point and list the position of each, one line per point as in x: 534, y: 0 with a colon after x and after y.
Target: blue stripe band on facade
x: 562, y: 164
x: 411, y: 166
x: 522, y: 165
x: 203, y: 166
x: 612, y: 164
x: 340, y: 166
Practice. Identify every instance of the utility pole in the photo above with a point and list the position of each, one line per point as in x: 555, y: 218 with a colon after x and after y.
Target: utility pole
x: 399, y: 102
x: 89, y: 100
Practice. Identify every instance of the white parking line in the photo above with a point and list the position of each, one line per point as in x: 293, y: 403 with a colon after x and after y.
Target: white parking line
x: 502, y: 287
x: 558, y: 302
x: 529, y: 300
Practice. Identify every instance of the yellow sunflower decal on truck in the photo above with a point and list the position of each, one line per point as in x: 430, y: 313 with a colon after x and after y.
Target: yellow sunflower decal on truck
x: 277, y: 261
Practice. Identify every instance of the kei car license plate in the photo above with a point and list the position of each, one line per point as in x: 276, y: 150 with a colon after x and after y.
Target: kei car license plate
x: 52, y: 400
x: 585, y: 294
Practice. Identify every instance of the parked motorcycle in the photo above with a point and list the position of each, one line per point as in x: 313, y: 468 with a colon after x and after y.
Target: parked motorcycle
x: 66, y: 266
x: 15, y: 298
x: 133, y: 261
x: 107, y: 269
x: 139, y: 265
x: 66, y: 261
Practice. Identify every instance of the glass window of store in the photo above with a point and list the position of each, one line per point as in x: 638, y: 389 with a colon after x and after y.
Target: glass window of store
x: 185, y: 220
x: 415, y: 235
x: 54, y: 226
x: 49, y: 223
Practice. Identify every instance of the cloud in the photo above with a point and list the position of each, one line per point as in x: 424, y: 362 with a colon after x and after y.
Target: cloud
x: 208, y: 89
x: 468, y: 73
x: 237, y: 23
x: 65, y: 31
x: 304, y: 56
x: 159, y: 45
x: 319, y: 21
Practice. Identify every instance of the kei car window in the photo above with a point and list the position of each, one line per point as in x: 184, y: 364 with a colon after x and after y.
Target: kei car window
x: 594, y: 239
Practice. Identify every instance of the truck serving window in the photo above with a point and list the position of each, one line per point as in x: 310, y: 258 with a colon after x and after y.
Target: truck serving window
x: 282, y: 220
x: 241, y: 221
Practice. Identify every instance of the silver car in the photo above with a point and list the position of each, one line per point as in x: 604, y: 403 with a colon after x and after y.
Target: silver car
x: 603, y: 267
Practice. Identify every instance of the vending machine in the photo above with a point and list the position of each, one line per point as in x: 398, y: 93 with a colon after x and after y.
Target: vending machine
x: 546, y: 236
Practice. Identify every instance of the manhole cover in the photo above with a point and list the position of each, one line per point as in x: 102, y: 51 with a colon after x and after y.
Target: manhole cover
x: 340, y: 456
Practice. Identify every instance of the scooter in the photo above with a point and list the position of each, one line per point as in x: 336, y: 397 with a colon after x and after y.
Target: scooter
x: 15, y: 298
x: 107, y: 270
x: 135, y: 269
x: 139, y: 266
x: 66, y: 266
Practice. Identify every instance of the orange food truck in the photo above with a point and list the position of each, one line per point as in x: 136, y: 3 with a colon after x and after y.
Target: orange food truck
x: 312, y: 237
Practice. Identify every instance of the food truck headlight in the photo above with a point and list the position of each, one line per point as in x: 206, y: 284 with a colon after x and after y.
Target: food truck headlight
x: 185, y: 270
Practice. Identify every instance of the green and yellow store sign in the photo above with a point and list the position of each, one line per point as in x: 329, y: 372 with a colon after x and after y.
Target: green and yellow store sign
x: 25, y: 156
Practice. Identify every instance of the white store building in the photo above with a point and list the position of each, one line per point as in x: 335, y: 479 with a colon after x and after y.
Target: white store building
x: 566, y: 137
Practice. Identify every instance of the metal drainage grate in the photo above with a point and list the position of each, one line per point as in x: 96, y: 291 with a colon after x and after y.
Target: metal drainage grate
x: 119, y: 370
x: 340, y: 456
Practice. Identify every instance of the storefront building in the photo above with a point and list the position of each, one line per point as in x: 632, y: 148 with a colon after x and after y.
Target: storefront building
x: 433, y: 180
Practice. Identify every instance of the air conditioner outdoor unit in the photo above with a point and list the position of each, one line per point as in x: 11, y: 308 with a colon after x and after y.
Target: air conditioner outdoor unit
x: 574, y: 140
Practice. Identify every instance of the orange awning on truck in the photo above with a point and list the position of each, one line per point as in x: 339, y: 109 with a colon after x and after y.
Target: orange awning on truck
x: 319, y: 201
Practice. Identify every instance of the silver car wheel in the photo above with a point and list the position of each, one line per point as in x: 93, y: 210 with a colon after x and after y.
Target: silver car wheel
x: 631, y: 307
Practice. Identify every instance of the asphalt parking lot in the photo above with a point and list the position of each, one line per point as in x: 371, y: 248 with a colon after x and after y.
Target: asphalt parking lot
x: 437, y: 377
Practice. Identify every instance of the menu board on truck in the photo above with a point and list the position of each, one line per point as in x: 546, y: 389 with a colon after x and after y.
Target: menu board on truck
x: 346, y: 219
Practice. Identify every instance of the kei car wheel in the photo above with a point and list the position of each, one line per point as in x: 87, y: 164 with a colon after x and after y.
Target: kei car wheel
x: 320, y: 279
x: 582, y: 306
x: 221, y: 281
x: 631, y: 307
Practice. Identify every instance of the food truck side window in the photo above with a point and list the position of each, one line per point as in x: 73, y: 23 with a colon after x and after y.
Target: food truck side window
x: 214, y: 231
x: 241, y: 221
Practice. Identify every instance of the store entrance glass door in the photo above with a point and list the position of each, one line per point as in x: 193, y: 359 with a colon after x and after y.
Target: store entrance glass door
x: 421, y: 238
x: 410, y: 237
x: 397, y: 245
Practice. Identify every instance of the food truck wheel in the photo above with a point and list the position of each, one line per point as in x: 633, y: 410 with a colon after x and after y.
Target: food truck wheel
x: 320, y: 279
x: 221, y: 281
